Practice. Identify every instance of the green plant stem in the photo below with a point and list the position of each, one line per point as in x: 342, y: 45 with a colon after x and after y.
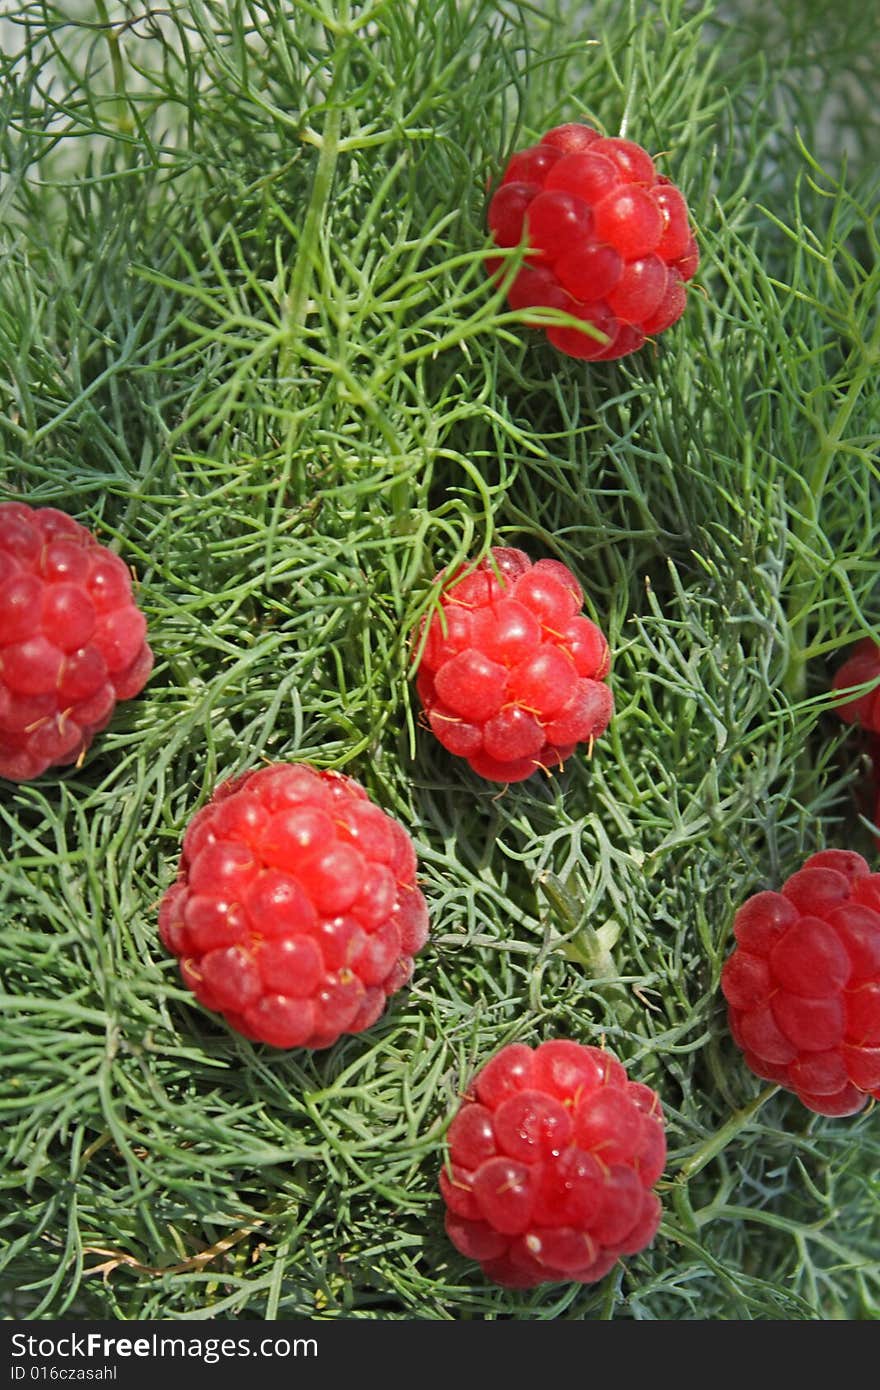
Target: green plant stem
x: 322, y: 186
x: 585, y: 945
x: 801, y: 601
x: 123, y: 118
x: 714, y: 1145
x: 301, y: 280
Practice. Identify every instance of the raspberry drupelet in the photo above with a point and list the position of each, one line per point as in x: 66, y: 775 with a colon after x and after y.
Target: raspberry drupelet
x: 296, y: 912
x: 609, y: 239
x: 72, y: 640
x: 803, y: 983
x: 512, y: 675
x: 552, y: 1161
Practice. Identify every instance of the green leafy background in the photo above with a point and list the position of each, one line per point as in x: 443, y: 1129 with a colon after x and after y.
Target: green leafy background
x: 247, y: 336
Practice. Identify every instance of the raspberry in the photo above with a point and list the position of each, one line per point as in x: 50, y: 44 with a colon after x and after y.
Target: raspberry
x: 862, y: 665
x: 803, y: 983
x: 552, y: 1161
x: 295, y: 912
x: 609, y: 240
x: 72, y: 640
x: 512, y: 674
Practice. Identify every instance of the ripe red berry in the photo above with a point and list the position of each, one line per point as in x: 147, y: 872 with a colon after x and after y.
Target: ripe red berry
x: 512, y: 674
x: 803, y: 983
x: 72, y: 640
x: 609, y: 239
x: 295, y: 912
x: 861, y: 666
x: 552, y: 1161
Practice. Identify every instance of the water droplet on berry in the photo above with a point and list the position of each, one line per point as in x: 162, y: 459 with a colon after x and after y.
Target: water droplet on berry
x: 532, y: 1125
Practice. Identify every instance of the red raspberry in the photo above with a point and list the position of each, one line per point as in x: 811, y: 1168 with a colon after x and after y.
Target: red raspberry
x: 512, y: 674
x: 609, y: 239
x: 862, y: 665
x: 552, y: 1159
x: 803, y: 983
x: 72, y: 641
x: 296, y: 911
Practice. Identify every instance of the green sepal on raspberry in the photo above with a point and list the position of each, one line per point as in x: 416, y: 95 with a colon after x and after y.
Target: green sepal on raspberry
x: 552, y: 1161
x: 296, y: 912
x: 72, y: 639
x: 513, y: 675
x: 803, y: 983
x: 609, y: 240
